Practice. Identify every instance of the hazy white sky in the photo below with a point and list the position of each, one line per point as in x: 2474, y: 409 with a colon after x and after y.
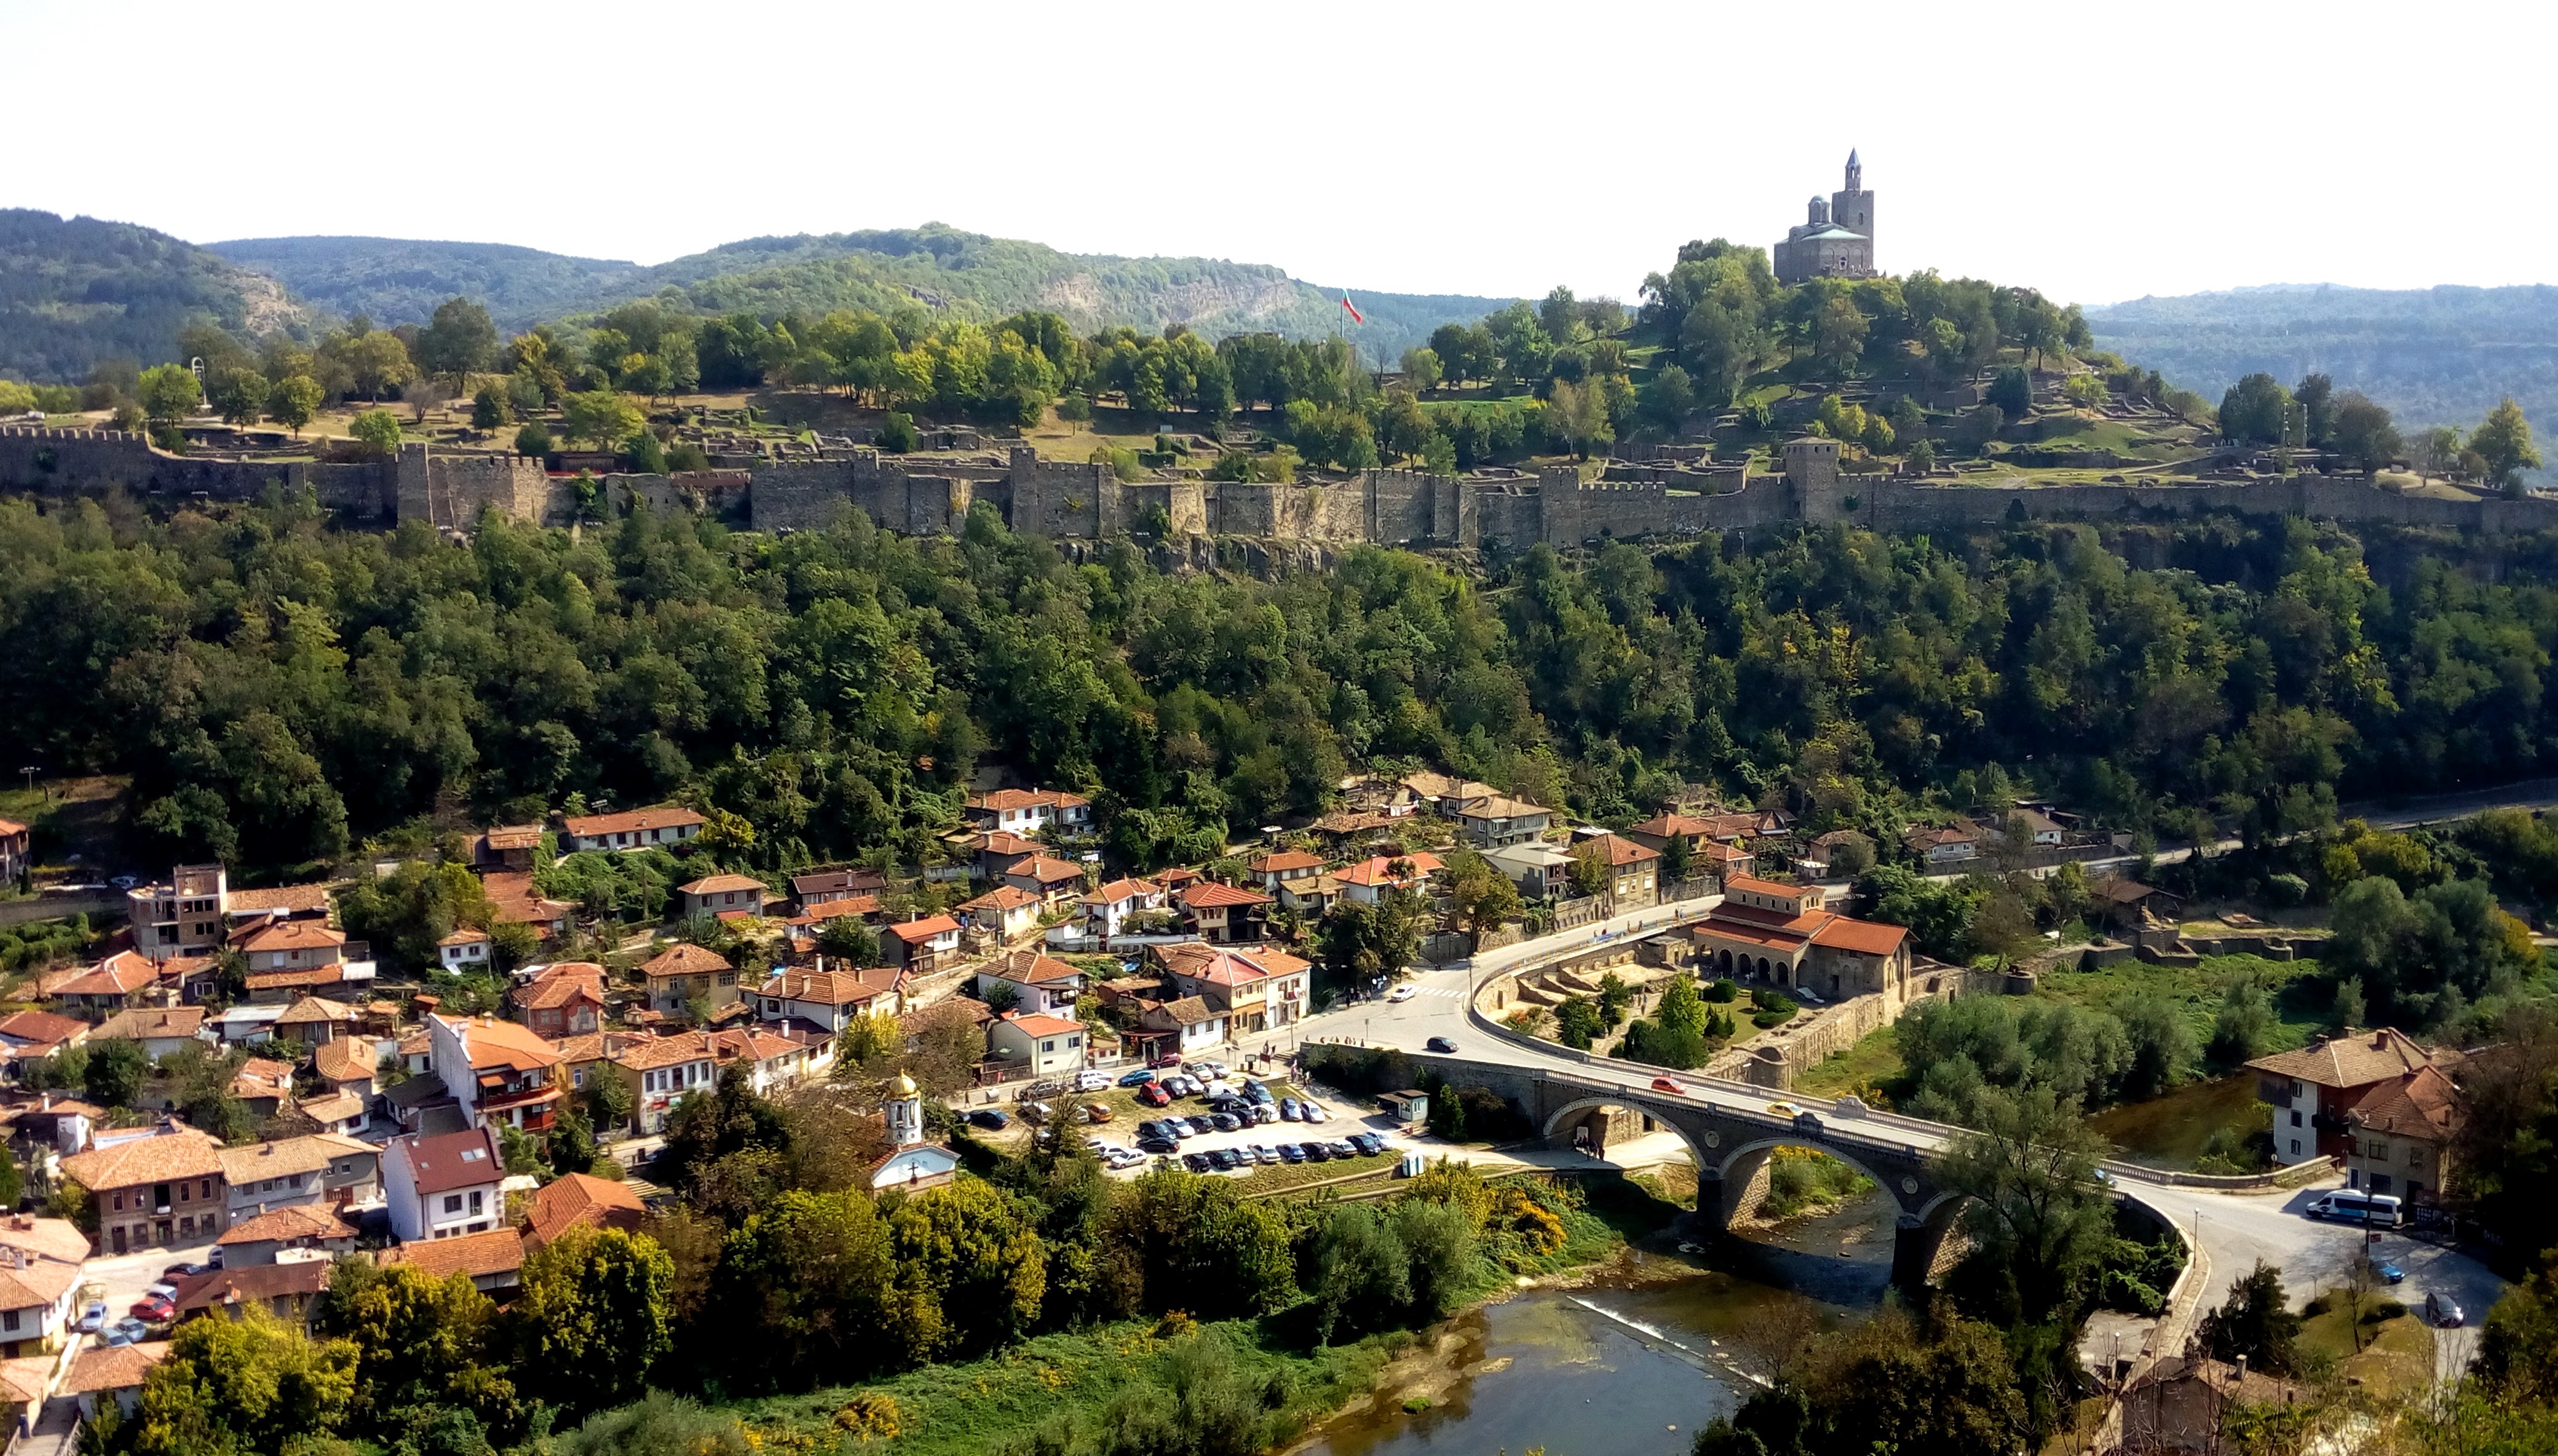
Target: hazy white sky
x: 2096, y: 150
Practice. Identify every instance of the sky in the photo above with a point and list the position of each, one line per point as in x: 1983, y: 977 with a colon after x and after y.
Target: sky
x: 2097, y: 152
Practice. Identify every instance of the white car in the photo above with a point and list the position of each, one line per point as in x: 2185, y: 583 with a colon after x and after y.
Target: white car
x: 1313, y: 1113
x: 1402, y: 992
x: 1092, y: 1081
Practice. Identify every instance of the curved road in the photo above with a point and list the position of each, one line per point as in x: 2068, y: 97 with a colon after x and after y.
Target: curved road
x: 2233, y: 1230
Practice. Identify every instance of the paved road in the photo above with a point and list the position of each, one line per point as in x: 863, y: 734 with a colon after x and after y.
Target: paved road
x: 2234, y: 1229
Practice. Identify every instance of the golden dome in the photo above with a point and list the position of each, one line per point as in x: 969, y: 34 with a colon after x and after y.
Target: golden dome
x: 904, y: 1086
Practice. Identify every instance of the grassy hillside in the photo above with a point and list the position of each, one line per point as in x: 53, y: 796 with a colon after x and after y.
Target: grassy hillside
x: 940, y: 268
x: 2435, y: 355
x: 78, y: 290
x: 395, y: 280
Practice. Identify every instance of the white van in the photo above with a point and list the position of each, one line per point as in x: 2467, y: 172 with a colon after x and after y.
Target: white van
x: 2346, y: 1206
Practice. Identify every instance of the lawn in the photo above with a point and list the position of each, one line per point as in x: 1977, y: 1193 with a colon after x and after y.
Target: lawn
x: 2397, y: 1354
x: 1873, y: 1060
x: 2302, y: 998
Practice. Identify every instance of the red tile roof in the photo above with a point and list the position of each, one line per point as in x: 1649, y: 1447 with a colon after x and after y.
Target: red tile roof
x: 1047, y: 871
x: 119, y: 974
x: 497, y: 1251
x: 575, y: 1198
x: 2353, y: 1061
x: 685, y: 959
x: 293, y: 934
x: 180, y: 1152
x: 302, y: 1220
x: 1210, y: 894
x: 829, y: 987
x: 1008, y: 799
x: 917, y: 931
x: 451, y: 1160
x: 720, y: 885
x: 589, y: 826
x: 290, y: 899
x: 1284, y: 860
x: 1030, y: 968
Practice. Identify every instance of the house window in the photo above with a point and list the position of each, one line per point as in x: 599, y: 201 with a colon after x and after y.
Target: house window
x: 2296, y: 1121
x: 9, y: 1319
x: 453, y: 1203
x: 119, y: 1202
x: 2380, y: 1183
x: 2296, y: 1147
x: 476, y: 1197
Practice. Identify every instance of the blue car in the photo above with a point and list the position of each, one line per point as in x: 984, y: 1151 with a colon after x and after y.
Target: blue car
x: 1138, y: 1078
x: 2389, y: 1273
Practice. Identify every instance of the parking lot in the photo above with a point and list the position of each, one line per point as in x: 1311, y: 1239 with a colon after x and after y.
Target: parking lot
x: 1339, y: 1122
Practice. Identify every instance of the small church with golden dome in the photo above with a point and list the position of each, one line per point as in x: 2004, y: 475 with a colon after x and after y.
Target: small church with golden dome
x: 912, y: 1163
x: 1836, y: 239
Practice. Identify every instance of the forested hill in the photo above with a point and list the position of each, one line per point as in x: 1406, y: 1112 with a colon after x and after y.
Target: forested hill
x: 279, y: 691
x: 966, y: 274
x: 75, y: 291
x: 393, y: 281
x: 2433, y: 355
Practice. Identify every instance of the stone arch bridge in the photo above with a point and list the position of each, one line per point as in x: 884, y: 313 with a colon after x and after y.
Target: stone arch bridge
x: 1730, y: 1130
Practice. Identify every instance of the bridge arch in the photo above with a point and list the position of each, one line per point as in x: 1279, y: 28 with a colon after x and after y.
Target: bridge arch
x: 1563, y: 1119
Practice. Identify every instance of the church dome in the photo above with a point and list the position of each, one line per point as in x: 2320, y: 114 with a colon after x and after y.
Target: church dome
x: 904, y: 1087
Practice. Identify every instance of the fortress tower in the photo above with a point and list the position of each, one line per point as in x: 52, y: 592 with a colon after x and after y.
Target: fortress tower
x: 1836, y: 239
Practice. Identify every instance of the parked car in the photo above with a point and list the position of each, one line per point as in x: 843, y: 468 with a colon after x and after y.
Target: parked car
x: 2443, y: 1312
x: 1315, y: 1152
x: 1035, y: 1113
x: 1441, y: 1045
x: 1344, y: 1150
x: 93, y: 1318
x: 1091, y: 1081
x: 989, y: 1119
x: 1096, y: 1112
x: 1157, y: 1143
x: 1224, y: 1122
x: 155, y: 1310
x: 1138, y: 1078
x: 161, y: 1290
x: 1671, y: 1084
x: 1153, y: 1096
x: 1291, y: 1111
x: 1185, y: 1127
x: 1264, y: 1113
x: 1169, y: 1059
x: 2390, y: 1273
x: 1264, y: 1154
x: 1312, y: 1112
x: 1210, y: 1069
x: 1225, y: 1159
x: 1368, y: 1142
x: 1289, y: 1152
x: 1197, y: 1162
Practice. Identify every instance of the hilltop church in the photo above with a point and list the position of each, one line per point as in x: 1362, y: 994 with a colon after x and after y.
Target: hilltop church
x: 1837, y: 240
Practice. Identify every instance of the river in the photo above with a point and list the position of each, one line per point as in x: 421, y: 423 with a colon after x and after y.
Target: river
x: 1633, y: 1362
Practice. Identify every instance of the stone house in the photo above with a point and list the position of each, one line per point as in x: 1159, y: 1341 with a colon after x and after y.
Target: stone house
x: 826, y: 887
x: 1052, y: 880
x: 1218, y: 912
x: 921, y: 946
x: 152, y: 1187
x: 1633, y: 869
x: 29, y: 1038
x: 721, y: 895
x: 465, y: 952
x: 1006, y: 911
x: 1282, y: 867
x: 561, y: 1000
x: 160, y: 1030
x: 1542, y: 870
x: 258, y: 1240
x: 1786, y: 935
x: 828, y: 1000
x: 498, y: 1071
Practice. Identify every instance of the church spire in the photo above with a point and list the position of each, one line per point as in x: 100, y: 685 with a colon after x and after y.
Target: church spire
x: 1855, y: 172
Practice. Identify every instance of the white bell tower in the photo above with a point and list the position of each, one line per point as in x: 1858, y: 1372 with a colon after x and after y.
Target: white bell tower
x: 904, y: 1112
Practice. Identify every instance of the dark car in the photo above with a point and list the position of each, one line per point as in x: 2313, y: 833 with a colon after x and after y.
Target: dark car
x: 1225, y: 1159
x: 1441, y: 1045
x: 990, y: 1119
x: 1342, y: 1150
x: 1290, y: 1109
x: 1289, y: 1152
x: 1224, y: 1122
x: 1315, y: 1152
x: 1368, y: 1142
x: 1197, y: 1162
x: 1157, y: 1144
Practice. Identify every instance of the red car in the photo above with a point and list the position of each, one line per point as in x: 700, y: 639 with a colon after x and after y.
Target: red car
x: 1153, y: 1096
x: 1169, y: 1059
x: 154, y: 1311
x: 1669, y: 1084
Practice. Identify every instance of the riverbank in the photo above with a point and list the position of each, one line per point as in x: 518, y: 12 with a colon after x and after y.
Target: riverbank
x: 1076, y: 1384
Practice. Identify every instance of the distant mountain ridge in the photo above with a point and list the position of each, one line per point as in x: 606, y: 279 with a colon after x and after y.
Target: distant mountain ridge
x: 941, y: 268
x: 2433, y: 355
x: 75, y: 291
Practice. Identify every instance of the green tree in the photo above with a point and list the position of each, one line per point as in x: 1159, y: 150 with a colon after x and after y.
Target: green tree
x: 2255, y: 1323
x: 2362, y: 434
x: 489, y: 408
x: 1421, y: 368
x: 239, y: 395
x: 415, y: 1341
x: 294, y: 401
x: 974, y: 1265
x: 534, y: 438
x: 13, y: 1183
x: 113, y: 1075
x: 592, y: 1319
x: 458, y: 341
x: 1839, y: 333
x: 249, y: 1384
x: 2502, y: 440
x: 2256, y: 411
x: 2038, y: 1215
x: 169, y: 392
x: 600, y: 417
x: 378, y: 429
x: 1484, y: 897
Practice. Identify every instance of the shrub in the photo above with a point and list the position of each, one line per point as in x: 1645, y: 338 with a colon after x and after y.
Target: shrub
x: 1074, y: 408
x: 897, y: 434
x: 2285, y: 891
x: 1723, y: 991
x: 534, y: 439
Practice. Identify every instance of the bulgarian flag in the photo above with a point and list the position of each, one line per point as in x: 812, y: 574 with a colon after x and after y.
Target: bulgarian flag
x: 1351, y: 309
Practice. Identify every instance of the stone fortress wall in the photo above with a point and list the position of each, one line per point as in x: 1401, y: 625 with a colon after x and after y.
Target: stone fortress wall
x: 921, y: 495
